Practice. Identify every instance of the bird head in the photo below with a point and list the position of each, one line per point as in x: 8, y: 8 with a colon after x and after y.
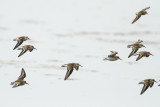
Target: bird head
x: 141, y: 45
x: 150, y: 54
x: 26, y: 38
x: 77, y: 64
x: 24, y: 82
x: 34, y: 48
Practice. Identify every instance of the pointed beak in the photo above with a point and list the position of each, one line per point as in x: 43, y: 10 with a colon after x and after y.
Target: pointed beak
x: 27, y: 83
x: 120, y: 59
x: 81, y: 65
x: 63, y: 66
x: 35, y: 48
x: 152, y: 54
x: 156, y: 81
x: 144, y: 46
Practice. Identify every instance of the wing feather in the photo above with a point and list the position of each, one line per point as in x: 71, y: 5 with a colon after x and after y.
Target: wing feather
x: 139, y: 57
x: 134, y: 50
x: 22, y: 52
x: 19, y: 42
x: 137, y: 17
x: 23, y: 74
x: 69, y: 71
x: 145, y: 87
x: 145, y: 8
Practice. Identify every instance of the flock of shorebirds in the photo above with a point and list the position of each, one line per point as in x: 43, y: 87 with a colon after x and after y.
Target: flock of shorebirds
x: 71, y: 66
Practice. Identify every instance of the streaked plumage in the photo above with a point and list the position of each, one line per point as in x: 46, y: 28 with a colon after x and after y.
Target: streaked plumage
x: 70, y: 68
x: 20, y: 81
x: 135, y: 47
x: 138, y: 15
x: 147, y: 83
x: 25, y: 49
x: 20, y: 40
x: 112, y: 56
x: 143, y: 54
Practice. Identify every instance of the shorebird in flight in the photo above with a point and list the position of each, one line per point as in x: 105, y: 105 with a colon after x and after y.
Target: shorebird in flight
x: 20, y: 40
x: 20, y: 81
x: 143, y: 54
x: 135, y: 47
x: 25, y: 49
x: 140, y: 13
x: 147, y: 83
x: 112, y: 56
x: 70, y: 68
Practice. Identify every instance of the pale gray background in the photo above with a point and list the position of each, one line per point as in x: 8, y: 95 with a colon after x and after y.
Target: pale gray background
x: 83, y: 31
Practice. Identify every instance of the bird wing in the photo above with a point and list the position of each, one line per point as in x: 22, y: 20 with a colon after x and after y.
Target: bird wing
x: 69, y: 71
x: 137, y: 17
x: 134, y: 50
x: 145, y: 87
x: 16, y: 84
x: 145, y: 8
x: 139, y: 57
x: 23, y: 75
x: 19, y: 42
x: 113, y: 53
x: 22, y: 52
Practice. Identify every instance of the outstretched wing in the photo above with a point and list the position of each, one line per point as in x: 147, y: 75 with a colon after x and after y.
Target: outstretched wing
x: 23, y: 74
x: 22, y: 52
x: 145, y: 8
x: 19, y: 42
x: 134, y: 50
x: 139, y: 57
x: 69, y: 71
x: 137, y: 17
x: 145, y: 87
x: 113, y: 53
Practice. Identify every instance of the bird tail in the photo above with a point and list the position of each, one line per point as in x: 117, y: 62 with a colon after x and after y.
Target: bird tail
x: 15, y: 39
x: 105, y: 59
x: 129, y: 46
x: 12, y: 83
x: 141, y: 83
x: 64, y: 65
x: 19, y: 48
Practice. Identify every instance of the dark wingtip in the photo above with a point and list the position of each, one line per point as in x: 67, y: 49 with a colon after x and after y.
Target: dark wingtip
x: 14, y: 48
x: 132, y: 22
x: 129, y: 56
